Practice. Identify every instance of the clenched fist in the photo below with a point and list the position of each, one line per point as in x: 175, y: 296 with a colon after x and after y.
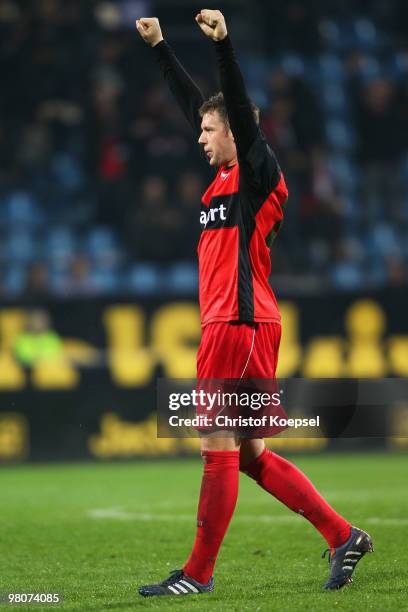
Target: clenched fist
x: 212, y: 24
x: 149, y: 29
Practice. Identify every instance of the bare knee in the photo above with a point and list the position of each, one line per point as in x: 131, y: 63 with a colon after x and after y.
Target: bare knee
x: 220, y: 442
x: 250, y: 449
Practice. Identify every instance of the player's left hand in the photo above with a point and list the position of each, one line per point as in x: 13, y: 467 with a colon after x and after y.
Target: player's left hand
x: 212, y: 24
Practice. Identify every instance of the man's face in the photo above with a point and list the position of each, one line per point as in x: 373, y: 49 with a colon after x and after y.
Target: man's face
x: 217, y: 140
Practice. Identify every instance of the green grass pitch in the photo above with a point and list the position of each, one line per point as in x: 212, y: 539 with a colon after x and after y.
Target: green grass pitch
x: 94, y: 532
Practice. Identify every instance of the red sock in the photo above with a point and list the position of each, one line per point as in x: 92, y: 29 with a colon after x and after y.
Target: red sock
x: 288, y: 484
x: 218, y: 497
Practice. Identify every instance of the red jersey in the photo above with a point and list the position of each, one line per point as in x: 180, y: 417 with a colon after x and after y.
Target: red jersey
x: 241, y: 211
x: 238, y: 223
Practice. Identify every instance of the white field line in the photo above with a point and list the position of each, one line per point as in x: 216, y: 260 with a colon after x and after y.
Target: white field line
x: 122, y: 515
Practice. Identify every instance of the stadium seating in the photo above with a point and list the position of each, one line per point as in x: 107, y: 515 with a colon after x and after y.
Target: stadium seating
x: 51, y: 213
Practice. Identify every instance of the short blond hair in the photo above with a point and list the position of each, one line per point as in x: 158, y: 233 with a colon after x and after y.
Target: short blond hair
x: 217, y: 103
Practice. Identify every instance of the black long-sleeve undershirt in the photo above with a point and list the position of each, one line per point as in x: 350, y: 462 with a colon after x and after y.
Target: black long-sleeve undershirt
x: 257, y: 161
x: 251, y: 145
x: 239, y: 109
x: 182, y: 86
x: 190, y: 98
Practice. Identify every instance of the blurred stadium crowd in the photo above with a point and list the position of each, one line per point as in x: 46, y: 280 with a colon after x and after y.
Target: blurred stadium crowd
x: 100, y: 178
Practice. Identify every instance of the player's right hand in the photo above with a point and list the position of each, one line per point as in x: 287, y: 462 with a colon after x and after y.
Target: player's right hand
x: 149, y: 29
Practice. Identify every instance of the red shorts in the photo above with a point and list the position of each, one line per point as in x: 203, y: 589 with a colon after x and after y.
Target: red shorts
x: 236, y: 353
x: 246, y: 350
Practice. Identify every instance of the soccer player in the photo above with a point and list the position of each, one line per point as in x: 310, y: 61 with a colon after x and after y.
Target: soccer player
x: 240, y: 212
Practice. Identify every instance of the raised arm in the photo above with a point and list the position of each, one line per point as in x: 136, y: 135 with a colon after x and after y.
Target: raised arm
x: 182, y: 86
x: 250, y: 142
